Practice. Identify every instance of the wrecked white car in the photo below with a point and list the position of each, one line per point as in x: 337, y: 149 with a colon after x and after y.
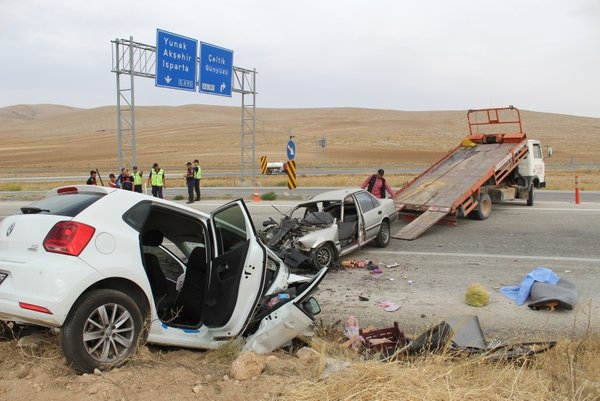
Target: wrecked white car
x: 111, y: 269
x: 315, y: 234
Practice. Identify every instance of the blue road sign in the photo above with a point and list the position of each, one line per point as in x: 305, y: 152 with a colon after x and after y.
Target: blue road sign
x: 216, y: 70
x: 291, y: 150
x: 176, y: 61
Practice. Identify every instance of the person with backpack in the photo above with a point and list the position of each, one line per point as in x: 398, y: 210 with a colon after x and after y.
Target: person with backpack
x: 377, y: 186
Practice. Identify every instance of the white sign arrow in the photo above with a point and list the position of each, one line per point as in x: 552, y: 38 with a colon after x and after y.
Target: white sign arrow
x: 223, y: 86
x: 290, y: 150
x: 168, y: 79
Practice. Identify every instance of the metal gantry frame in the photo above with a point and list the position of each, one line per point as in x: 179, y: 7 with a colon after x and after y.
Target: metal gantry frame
x: 131, y: 59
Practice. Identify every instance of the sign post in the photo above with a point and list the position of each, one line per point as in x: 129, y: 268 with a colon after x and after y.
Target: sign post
x: 216, y: 70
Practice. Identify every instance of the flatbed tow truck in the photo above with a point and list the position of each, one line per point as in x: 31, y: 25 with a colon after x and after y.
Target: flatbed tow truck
x: 484, y: 168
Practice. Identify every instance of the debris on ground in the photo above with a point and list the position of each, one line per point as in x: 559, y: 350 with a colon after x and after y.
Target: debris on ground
x: 544, y: 289
x: 388, y: 306
x: 352, y: 332
x: 385, y: 341
x: 463, y: 335
x: 477, y: 295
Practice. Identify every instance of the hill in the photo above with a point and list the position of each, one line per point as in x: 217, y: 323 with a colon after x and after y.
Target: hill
x: 71, y: 140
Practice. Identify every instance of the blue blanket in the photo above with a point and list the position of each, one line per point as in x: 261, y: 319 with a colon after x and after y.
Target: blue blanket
x: 520, y: 293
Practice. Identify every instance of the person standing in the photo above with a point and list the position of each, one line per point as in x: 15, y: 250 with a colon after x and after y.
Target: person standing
x: 189, y: 180
x: 156, y: 178
x: 112, y: 181
x: 125, y: 180
x: 376, y: 185
x: 92, y: 179
x: 197, y: 178
x: 137, y: 179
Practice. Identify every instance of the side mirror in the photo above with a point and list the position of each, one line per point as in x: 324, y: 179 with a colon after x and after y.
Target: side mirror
x: 549, y: 151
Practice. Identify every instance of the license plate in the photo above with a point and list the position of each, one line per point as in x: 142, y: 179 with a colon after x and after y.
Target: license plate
x: 2, y: 277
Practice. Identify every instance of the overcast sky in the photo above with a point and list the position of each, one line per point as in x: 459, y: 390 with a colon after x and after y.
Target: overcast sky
x: 541, y: 55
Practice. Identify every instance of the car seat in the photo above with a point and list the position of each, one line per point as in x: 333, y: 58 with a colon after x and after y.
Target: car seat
x: 190, y: 300
x: 163, y: 297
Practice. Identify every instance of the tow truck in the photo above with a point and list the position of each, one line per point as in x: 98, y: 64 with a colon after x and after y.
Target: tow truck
x: 495, y: 162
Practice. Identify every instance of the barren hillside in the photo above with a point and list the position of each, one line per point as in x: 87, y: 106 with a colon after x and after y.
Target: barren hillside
x: 70, y: 140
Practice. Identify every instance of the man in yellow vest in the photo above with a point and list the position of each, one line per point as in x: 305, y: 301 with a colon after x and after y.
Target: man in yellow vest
x: 197, y: 178
x: 137, y: 179
x: 157, y: 180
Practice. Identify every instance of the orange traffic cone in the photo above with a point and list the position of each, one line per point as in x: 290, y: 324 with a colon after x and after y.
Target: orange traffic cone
x: 256, y: 196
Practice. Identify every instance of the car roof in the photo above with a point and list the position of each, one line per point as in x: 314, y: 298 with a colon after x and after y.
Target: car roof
x: 338, y: 194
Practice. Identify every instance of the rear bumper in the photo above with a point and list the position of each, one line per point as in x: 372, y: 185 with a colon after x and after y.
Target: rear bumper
x: 53, y: 283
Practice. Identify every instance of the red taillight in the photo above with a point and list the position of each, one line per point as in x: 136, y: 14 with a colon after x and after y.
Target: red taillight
x: 34, y: 308
x: 68, y: 237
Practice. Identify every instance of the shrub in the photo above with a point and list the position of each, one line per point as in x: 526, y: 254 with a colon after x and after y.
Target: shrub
x: 269, y: 196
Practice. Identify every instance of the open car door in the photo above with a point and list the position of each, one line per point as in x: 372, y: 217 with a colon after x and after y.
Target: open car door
x: 237, y: 273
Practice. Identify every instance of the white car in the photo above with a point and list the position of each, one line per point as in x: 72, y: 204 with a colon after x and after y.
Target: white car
x: 112, y: 268
x: 315, y: 234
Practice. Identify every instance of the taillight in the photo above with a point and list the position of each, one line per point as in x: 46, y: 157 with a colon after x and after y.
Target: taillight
x: 68, y: 237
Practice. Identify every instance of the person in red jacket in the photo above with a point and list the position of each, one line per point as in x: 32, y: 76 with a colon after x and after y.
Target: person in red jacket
x: 376, y: 185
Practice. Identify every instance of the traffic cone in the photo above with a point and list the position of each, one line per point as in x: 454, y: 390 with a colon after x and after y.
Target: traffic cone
x: 256, y: 196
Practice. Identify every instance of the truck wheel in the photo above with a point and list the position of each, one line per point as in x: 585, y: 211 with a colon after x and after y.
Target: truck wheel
x: 483, y: 209
x: 102, y: 331
x: 531, y: 196
x: 323, y: 256
x: 383, y: 237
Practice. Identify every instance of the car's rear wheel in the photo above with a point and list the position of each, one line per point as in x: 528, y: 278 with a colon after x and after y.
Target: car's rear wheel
x: 323, y: 256
x: 383, y: 237
x: 102, y: 330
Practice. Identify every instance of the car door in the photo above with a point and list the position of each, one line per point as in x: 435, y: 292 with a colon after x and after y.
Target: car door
x: 371, y: 213
x: 237, y: 271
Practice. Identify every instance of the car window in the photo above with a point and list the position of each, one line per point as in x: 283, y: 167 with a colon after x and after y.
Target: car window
x: 63, y: 205
x: 366, y: 201
x: 230, y: 227
x: 537, y: 151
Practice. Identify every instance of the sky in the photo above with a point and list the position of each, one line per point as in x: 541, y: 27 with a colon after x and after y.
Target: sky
x: 541, y: 55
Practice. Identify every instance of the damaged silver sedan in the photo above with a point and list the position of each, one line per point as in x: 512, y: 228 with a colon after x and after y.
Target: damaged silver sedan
x: 316, y: 233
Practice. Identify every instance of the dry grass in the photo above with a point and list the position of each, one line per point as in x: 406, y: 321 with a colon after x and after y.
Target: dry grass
x: 571, y: 371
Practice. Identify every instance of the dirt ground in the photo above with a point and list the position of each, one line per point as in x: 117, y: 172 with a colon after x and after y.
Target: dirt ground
x: 33, y: 368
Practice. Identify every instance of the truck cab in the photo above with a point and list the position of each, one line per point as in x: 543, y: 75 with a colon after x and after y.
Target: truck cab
x: 532, y: 166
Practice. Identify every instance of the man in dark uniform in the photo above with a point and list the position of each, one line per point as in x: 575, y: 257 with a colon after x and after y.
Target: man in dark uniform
x: 92, y: 179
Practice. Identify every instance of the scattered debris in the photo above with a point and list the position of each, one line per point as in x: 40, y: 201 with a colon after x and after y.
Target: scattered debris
x: 388, y: 306
x: 352, y: 332
x: 386, y: 340
x: 362, y: 298
x: 545, y: 290
x: 391, y: 266
x: 477, y: 295
x: 463, y: 335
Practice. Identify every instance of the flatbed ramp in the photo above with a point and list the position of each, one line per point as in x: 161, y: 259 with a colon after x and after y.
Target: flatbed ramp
x: 448, y: 184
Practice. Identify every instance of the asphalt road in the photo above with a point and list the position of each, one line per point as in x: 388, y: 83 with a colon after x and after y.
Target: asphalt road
x: 436, y: 268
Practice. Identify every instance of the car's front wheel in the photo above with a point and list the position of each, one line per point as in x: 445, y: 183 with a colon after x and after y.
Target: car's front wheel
x: 383, y: 237
x: 323, y: 256
x: 102, y: 330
